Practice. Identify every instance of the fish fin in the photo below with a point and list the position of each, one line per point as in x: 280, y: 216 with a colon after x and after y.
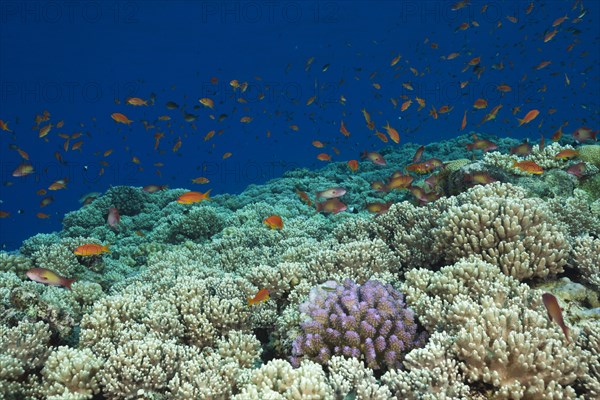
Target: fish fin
x: 105, y: 249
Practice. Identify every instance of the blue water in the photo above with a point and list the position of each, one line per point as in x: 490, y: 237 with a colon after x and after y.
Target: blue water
x: 74, y: 59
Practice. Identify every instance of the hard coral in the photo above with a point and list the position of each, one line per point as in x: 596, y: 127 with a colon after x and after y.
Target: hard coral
x: 369, y: 322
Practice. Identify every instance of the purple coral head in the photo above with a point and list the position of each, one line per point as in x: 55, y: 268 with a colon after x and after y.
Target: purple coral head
x: 368, y: 321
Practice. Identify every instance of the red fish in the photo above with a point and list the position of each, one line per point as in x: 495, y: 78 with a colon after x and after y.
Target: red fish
x: 331, y: 206
x: 378, y: 208
x: 584, y: 133
x: 43, y: 275
x: 524, y: 149
x: 418, y: 154
x: 479, y: 178
x: 529, y: 167
x: 304, y: 197
x: 555, y: 312
x: 482, y: 144
x: 577, y: 169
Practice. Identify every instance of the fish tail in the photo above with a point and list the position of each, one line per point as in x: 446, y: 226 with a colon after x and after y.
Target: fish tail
x: 105, y: 249
x: 67, y: 282
x: 207, y: 194
x: 565, y: 330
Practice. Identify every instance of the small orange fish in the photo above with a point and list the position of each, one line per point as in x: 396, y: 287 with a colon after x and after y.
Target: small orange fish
x: 193, y: 197
x: 480, y: 104
x: 91, y: 249
x: 405, y: 105
x: 43, y: 275
x: 200, y: 180
x: 120, y: 118
x: 548, y: 36
x: 154, y: 188
x: 378, y: 208
x: 4, y: 214
x: 206, y: 102
x: 530, y: 116
x: 353, y: 165
x: 136, y: 101
x: 331, y: 206
x: 41, y: 215
x: 318, y: 144
x: 566, y: 154
x: 374, y: 157
x: 45, y: 130
x: 227, y: 155
x: 107, y: 153
x: 529, y: 167
x: 274, y: 222
x: 261, y: 296
x: 177, y: 144
x: 58, y: 184
x: 4, y: 126
x: 246, y: 119
x: 392, y: 133
x: 464, y: 121
x: 343, y: 129
x: 304, y: 197
x: 504, y: 88
x: 22, y: 170
x: 323, y: 157
x: 555, y: 312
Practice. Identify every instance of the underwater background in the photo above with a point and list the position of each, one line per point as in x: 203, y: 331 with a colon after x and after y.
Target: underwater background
x: 299, y: 199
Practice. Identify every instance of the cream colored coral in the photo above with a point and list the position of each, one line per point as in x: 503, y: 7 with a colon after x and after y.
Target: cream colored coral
x: 139, y: 368
x: 501, y: 334
x: 544, y: 158
x: 279, y: 380
x: 514, y: 232
x: 71, y: 373
x: 23, y: 349
x: 589, y: 339
x: 431, y: 373
x: 14, y: 262
x: 586, y: 259
x: 348, y: 375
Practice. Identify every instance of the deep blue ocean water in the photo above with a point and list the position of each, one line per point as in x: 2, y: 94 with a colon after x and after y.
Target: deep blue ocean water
x: 77, y: 60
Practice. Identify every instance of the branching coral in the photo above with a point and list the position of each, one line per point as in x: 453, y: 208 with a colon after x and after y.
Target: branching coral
x: 71, y: 373
x: 500, y: 332
x: 586, y: 258
x: 369, y: 322
x: 506, y: 229
x: 23, y: 349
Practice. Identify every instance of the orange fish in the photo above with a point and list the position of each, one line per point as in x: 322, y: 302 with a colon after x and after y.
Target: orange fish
x: 193, y: 197
x: 378, y: 208
x: 227, y: 155
x: 43, y: 275
x: 209, y: 135
x: 22, y: 170
x: 480, y: 104
x: 154, y: 188
x: 304, y: 197
x: 4, y: 214
x: 177, y: 144
x: 200, y: 180
x: 479, y: 178
x: 136, y: 101
x: 555, y: 312
x: 353, y: 165
x: 343, y: 129
x: 318, y: 144
x: 206, y: 102
x: 543, y: 64
x: 504, y: 88
x: 523, y: 149
x: 530, y: 116
x: 4, y: 126
x: 120, y: 118
x: 418, y: 154
x: 464, y: 121
x: 529, y: 167
x: 548, y: 36
x: 405, y: 105
x: 566, y: 154
x: 374, y: 157
x: 261, y: 296
x: 246, y: 119
x: 91, y: 249
x: 381, y: 136
x: 274, y: 222
x: 392, y: 133
x: 323, y: 157
x: 331, y: 206
x: 58, y: 184
x: 45, y: 130
x: 41, y: 215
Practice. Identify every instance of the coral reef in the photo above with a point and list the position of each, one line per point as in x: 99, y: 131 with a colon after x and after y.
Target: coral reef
x: 369, y: 322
